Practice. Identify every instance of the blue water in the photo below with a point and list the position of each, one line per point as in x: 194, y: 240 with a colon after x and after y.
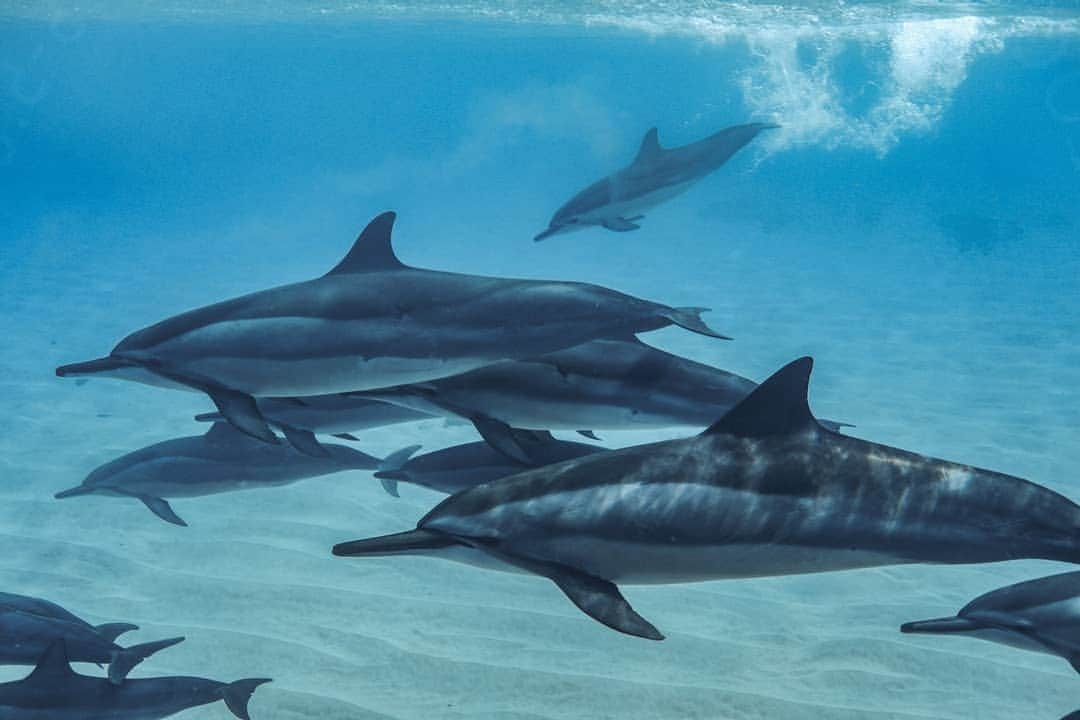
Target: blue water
x: 913, y: 225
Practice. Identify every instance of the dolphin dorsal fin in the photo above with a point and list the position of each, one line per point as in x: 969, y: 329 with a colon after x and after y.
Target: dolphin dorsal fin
x: 777, y: 406
x: 53, y: 668
x: 650, y: 147
x: 372, y: 250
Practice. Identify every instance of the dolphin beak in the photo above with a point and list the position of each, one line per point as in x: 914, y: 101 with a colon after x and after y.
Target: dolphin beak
x: 553, y: 230
x: 77, y: 490
x: 92, y: 367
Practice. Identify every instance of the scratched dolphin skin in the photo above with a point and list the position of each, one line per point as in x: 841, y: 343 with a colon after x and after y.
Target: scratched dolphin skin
x: 53, y: 691
x: 1039, y: 615
x: 29, y: 625
x: 372, y: 321
x: 457, y: 468
x: 766, y: 490
x: 221, y: 460
x: 657, y: 174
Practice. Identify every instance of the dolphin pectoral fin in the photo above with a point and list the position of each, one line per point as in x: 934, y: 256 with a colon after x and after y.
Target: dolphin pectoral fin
x: 161, y: 508
x: 304, y: 441
x: 347, y: 436
x: 241, y: 410
x: 111, y: 631
x: 501, y: 437
x: 589, y: 434
x: 602, y: 601
x: 620, y: 224
x: 690, y: 319
x: 941, y: 626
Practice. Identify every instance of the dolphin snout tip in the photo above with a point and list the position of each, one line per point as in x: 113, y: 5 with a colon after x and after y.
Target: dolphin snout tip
x: 544, y: 235
x: 72, y: 492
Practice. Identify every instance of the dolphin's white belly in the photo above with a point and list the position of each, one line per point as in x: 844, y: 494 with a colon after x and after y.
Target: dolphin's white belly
x: 641, y: 564
x: 628, y: 207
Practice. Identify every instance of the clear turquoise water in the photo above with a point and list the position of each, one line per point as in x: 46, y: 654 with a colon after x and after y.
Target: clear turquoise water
x: 913, y: 226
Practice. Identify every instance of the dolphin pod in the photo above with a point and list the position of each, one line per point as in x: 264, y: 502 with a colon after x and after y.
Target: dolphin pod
x: 370, y: 322
x: 53, y: 691
x: 221, y: 460
x: 655, y: 176
x: 766, y: 490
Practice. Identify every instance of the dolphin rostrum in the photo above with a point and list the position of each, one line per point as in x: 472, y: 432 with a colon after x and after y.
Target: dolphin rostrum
x: 1040, y: 615
x: 457, y: 468
x: 656, y: 175
x: 221, y: 460
x: 765, y: 490
x: 372, y: 321
x: 53, y: 691
x: 29, y: 625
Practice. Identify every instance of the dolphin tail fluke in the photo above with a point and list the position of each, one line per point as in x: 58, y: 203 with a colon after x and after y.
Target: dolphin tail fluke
x: 237, y: 695
x: 111, y: 631
x: 940, y: 626
x: 689, y: 318
x: 389, y: 470
x: 125, y: 659
x: 413, y: 542
x: 93, y: 367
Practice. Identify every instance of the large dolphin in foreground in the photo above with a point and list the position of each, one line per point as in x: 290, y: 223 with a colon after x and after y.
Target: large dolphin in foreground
x: 221, y: 460
x: 457, y: 468
x: 765, y: 490
x: 29, y: 625
x: 1040, y: 615
x: 656, y: 175
x: 53, y: 691
x: 372, y: 321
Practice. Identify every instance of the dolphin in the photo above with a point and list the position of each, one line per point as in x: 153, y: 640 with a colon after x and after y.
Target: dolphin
x: 456, y: 468
x: 221, y: 460
x: 29, y: 625
x: 620, y: 384
x: 338, y: 415
x: 1040, y: 615
x: 655, y: 176
x: 765, y: 490
x: 53, y: 691
x: 372, y: 321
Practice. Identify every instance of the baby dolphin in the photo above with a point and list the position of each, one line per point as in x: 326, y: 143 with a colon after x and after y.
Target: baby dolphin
x: 656, y: 175
x: 372, y: 321
x: 53, y: 691
x: 1040, y: 615
x: 222, y: 460
x: 29, y: 625
x: 765, y: 490
x: 457, y: 468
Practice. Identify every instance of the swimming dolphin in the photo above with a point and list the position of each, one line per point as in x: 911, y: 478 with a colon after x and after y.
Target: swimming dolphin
x: 656, y: 175
x: 222, y: 460
x: 765, y: 490
x: 372, y: 321
x: 339, y: 415
x: 456, y: 468
x: 1040, y: 615
x: 53, y: 691
x: 599, y: 385
x: 29, y: 625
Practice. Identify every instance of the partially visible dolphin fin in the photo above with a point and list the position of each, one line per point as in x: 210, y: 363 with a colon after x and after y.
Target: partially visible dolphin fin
x: 602, y: 601
x: 53, y: 670
x: 237, y: 695
x: 834, y: 425
x: 501, y: 437
x: 111, y: 631
x: 391, y: 465
x: 241, y: 410
x: 125, y: 659
x: 304, y: 441
x: 777, y: 406
x: 161, y: 508
x: 1074, y: 660
x: 347, y: 436
x: 941, y: 626
x: 589, y: 434
x: 372, y: 250
x: 1075, y: 715
x: 689, y: 318
x: 620, y: 224
x: 650, y: 147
